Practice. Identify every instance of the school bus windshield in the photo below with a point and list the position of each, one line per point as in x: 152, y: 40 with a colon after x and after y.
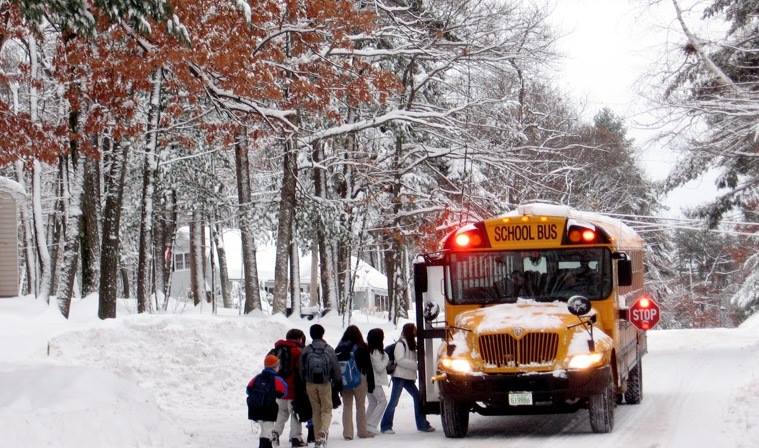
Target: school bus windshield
x: 543, y: 275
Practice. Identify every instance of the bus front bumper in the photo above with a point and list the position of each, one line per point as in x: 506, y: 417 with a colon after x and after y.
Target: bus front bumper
x: 548, y: 388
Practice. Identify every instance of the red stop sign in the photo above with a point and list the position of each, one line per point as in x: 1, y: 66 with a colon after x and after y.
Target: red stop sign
x: 644, y: 313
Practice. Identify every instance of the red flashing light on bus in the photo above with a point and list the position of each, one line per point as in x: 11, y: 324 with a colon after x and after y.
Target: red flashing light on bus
x: 468, y: 237
x: 644, y: 302
x: 584, y: 234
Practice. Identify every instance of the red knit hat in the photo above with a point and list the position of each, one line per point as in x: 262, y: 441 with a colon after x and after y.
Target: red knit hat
x: 271, y: 361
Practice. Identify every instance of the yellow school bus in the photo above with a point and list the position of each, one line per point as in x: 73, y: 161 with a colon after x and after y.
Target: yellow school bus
x: 525, y: 313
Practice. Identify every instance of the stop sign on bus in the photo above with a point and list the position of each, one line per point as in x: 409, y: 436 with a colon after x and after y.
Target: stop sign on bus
x: 644, y: 313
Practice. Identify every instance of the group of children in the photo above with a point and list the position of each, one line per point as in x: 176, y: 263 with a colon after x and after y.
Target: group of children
x: 304, y: 383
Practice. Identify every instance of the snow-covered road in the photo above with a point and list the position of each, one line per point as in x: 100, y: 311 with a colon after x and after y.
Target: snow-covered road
x: 177, y: 380
x: 700, y: 390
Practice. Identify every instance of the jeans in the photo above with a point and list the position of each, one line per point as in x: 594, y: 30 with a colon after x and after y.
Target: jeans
x: 395, y: 394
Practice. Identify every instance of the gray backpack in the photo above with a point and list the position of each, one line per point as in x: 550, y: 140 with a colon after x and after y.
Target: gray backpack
x: 317, y: 366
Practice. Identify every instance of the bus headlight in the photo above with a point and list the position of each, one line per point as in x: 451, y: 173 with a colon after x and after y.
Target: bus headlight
x: 585, y: 360
x: 457, y: 365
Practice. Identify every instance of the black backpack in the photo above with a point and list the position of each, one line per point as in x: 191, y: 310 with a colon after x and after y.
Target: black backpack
x: 262, y: 397
x: 390, y: 350
x: 317, y: 366
x: 285, y: 360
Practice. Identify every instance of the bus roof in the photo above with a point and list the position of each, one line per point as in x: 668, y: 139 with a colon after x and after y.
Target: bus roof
x: 622, y: 234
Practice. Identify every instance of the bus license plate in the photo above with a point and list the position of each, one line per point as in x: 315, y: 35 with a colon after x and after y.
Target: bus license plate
x: 520, y: 398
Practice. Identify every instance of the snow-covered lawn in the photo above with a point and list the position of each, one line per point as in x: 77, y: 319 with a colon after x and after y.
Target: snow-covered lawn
x: 178, y: 380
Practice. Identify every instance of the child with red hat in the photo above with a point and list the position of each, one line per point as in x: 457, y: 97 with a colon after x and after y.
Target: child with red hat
x: 263, y: 391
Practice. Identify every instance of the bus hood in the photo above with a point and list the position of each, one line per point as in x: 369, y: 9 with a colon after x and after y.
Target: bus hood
x: 527, y: 315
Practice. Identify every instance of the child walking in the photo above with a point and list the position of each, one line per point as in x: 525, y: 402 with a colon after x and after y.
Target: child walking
x: 263, y: 391
x: 404, y: 377
x: 377, y: 400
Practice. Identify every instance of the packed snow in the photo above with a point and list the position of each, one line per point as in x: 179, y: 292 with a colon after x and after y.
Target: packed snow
x: 178, y: 379
x: 13, y: 188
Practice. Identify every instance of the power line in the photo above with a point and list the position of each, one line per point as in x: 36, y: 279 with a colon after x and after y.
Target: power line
x: 690, y: 220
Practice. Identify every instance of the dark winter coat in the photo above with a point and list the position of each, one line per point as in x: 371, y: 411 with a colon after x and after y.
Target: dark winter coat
x: 268, y: 414
x: 363, y: 360
x: 334, y: 367
x: 294, y: 377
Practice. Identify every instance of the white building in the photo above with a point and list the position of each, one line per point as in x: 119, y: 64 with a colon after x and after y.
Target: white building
x: 370, y: 285
x: 10, y: 194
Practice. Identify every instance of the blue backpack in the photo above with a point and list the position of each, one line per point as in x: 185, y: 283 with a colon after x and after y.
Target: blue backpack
x: 350, y: 371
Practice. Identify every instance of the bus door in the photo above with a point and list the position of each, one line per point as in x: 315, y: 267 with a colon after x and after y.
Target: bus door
x: 430, y: 323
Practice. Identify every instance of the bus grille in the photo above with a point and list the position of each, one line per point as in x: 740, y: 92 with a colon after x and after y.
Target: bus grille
x: 504, y: 350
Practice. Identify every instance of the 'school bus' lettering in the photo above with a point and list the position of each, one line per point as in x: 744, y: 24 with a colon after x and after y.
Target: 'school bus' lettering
x: 526, y: 232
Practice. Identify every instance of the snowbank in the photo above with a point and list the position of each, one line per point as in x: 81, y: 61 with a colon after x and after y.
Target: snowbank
x: 752, y: 323
x: 49, y: 405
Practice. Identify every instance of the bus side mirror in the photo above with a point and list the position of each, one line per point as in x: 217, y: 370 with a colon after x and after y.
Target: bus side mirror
x: 578, y: 305
x: 624, y: 272
x: 431, y: 311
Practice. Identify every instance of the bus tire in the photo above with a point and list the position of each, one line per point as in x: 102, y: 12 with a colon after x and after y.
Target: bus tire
x: 455, y: 418
x: 634, y: 392
x: 601, y: 410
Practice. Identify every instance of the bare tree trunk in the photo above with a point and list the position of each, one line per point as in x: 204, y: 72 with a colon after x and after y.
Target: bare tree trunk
x: 326, y: 266
x: 170, y: 267
x: 284, y: 228
x: 144, y: 259
x: 389, y: 269
x: 161, y: 219
x: 218, y: 238
x: 59, y: 222
x: 110, y: 255
x: 124, y: 273
x: 295, y: 278
x: 73, y: 186
x: 40, y: 233
x: 31, y: 260
x: 90, y: 233
x: 244, y: 198
x: 197, y: 278
x: 313, y: 288
x: 203, y: 250
x: 397, y: 284
x: 343, y: 275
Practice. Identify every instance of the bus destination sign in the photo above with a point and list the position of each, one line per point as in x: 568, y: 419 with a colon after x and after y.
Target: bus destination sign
x: 518, y: 233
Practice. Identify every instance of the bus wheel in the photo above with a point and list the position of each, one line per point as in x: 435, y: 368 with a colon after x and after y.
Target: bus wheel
x: 455, y: 418
x: 601, y: 410
x: 634, y: 392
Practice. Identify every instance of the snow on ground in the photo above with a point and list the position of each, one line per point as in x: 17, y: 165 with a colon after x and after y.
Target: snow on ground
x: 178, y: 379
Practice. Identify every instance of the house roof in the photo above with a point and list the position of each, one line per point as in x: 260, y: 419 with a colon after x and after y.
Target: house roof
x: 12, y: 188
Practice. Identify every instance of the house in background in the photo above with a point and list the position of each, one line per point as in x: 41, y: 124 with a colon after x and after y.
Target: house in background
x: 11, y: 193
x: 370, y: 285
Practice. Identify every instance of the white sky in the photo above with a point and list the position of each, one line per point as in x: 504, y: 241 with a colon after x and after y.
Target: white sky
x: 608, y: 48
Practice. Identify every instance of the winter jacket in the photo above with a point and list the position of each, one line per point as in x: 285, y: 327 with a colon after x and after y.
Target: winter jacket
x: 406, y: 362
x: 380, y: 360
x: 268, y: 414
x: 337, y: 377
x: 363, y: 361
x: 294, y: 377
